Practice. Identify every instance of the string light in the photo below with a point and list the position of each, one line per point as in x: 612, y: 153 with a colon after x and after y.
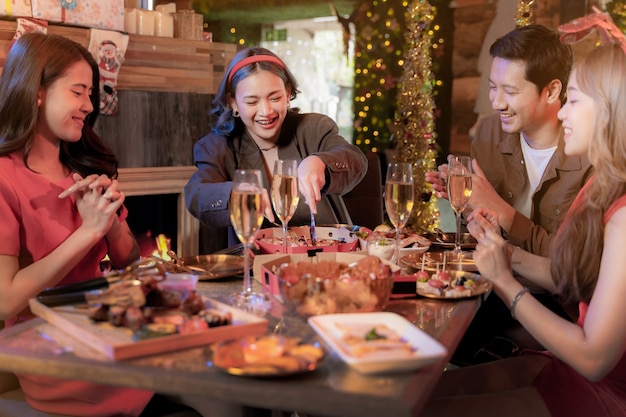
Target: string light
x: 525, y: 13
x: 414, y: 124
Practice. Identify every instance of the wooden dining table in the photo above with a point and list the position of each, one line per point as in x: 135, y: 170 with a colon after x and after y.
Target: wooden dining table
x: 333, y: 389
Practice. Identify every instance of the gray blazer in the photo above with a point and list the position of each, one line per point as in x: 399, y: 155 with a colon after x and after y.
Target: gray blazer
x: 217, y: 157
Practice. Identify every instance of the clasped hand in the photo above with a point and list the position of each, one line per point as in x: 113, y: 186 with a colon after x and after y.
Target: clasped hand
x: 97, y: 200
x: 493, y: 253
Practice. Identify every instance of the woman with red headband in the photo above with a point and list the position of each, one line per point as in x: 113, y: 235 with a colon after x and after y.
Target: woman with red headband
x: 254, y: 127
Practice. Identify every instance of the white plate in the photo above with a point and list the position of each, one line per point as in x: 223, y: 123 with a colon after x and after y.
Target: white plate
x: 425, y: 349
x: 413, y: 250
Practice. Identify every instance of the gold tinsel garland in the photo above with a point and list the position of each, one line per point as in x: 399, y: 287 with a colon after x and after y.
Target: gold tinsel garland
x: 525, y: 13
x: 414, y: 126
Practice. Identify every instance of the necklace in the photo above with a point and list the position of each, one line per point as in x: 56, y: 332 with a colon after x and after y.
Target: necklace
x: 268, y: 149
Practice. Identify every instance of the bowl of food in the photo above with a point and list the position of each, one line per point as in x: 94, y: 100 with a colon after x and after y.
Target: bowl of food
x: 329, y: 287
x: 382, y: 247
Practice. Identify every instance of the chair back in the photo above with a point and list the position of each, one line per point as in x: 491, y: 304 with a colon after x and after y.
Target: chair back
x: 365, y: 201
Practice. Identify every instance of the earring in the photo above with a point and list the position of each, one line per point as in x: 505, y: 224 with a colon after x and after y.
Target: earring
x: 235, y: 113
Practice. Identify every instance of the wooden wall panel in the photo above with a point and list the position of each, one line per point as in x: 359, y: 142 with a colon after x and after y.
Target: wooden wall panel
x: 153, y: 63
x: 154, y: 129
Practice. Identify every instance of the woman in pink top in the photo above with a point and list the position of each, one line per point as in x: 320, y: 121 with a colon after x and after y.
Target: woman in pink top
x: 60, y: 204
x: 583, y: 371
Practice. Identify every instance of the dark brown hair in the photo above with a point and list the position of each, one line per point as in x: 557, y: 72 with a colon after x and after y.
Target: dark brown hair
x: 35, y: 61
x: 541, y: 49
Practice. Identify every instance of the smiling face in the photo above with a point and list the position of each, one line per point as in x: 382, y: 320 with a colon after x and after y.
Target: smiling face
x: 65, y: 104
x: 521, y: 106
x: 262, y: 102
x: 577, y: 115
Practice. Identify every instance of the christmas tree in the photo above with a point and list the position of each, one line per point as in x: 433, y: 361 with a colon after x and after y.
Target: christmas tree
x: 414, y: 124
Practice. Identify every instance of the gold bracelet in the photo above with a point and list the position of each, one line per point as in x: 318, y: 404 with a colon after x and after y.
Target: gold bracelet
x: 516, y: 299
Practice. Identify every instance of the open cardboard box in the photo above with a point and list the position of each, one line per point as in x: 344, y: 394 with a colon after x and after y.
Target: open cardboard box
x: 346, y: 240
x: 265, y: 269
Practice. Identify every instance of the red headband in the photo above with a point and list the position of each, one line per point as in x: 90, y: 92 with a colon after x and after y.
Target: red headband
x: 251, y: 60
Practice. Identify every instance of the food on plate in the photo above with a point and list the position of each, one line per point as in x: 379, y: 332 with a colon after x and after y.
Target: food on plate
x: 422, y: 276
x: 408, y: 238
x: 441, y: 284
x: 384, y: 248
x: 300, y: 242
x: 267, y: 355
x: 327, y: 287
x: 367, y: 340
x: 383, y: 228
x: 164, y: 312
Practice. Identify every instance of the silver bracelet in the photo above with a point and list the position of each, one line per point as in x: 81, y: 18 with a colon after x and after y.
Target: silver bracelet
x: 516, y: 299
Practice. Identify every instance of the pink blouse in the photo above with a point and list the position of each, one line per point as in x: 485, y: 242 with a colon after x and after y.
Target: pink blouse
x: 34, y: 222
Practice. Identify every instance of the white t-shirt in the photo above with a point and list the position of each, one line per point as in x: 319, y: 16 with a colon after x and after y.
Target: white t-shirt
x: 536, y: 161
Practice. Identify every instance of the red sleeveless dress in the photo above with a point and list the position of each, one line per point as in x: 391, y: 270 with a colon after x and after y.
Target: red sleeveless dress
x: 569, y: 394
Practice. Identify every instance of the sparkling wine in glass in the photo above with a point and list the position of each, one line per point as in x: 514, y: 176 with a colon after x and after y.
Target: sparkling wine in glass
x: 399, y: 190
x: 459, y: 185
x: 285, y: 194
x: 246, y: 216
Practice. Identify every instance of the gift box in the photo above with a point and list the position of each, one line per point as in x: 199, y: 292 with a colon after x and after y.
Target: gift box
x: 21, y: 8
x: 265, y: 269
x: 102, y: 14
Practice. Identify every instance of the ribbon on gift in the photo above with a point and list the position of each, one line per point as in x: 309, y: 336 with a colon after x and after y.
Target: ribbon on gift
x: 577, y: 29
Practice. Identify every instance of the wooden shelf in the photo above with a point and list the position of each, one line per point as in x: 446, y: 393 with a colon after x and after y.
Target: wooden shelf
x: 153, y: 63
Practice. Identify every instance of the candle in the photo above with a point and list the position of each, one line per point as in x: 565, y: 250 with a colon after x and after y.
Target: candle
x: 145, y: 22
x: 164, y: 24
x: 130, y: 20
x: 166, y: 8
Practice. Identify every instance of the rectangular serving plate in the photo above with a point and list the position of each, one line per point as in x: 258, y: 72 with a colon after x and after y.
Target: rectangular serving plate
x: 426, y: 350
x: 117, y: 342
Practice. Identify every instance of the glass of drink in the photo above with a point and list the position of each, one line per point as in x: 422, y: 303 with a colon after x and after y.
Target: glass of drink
x: 459, y: 185
x: 246, y: 216
x: 285, y: 194
x: 399, y: 191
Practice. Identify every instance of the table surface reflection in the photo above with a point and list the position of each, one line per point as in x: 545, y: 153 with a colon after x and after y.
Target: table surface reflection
x: 333, y: 389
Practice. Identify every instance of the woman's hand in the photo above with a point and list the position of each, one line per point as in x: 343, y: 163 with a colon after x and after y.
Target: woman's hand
x: 493, y: 253
x: 311, y: 180
x: 97, y: 200
x: 481, y: 219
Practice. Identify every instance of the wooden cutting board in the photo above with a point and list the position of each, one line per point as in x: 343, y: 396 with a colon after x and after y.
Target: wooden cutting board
x: 117, y: 342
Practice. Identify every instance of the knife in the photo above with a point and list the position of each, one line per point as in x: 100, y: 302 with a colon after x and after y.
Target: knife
x: 137, y: 268
x: 126, y: 293
x: 88, y: 285
x: 313, y: 232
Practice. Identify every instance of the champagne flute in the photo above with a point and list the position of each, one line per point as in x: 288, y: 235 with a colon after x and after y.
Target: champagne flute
x: 246, y: 216
x: 459, y: 186
x: 285, y: 195
x: 399, y: 189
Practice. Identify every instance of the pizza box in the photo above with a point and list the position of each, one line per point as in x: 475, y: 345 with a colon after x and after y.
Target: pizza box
x: 117, y: 342
x: 343, y: 240
x: 265, y: 267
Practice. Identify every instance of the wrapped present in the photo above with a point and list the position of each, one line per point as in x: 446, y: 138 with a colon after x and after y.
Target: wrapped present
x: 103, y: 14
x: 15, y: 8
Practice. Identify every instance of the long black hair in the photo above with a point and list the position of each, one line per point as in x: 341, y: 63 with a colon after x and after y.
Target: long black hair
x: 35, y: 61
x: 226, y: 123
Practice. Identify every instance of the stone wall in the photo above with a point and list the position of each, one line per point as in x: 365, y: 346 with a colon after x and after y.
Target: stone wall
x: 472, y: 20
